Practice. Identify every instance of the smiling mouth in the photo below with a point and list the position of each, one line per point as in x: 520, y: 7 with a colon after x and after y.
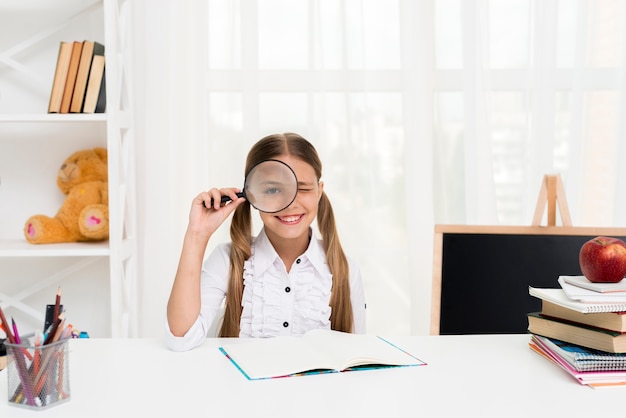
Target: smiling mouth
x: 292, y: 219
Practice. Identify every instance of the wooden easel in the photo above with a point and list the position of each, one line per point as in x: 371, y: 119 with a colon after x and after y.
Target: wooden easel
x: 551, y: 193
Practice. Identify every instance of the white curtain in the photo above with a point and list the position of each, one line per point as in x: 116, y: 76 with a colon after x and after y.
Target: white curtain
x: 424, y: 112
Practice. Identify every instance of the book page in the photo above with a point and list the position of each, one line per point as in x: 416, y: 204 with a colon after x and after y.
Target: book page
x: 350, y: 350
x: 262, y: 358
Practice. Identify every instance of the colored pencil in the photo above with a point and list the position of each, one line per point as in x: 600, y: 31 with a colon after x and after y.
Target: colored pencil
x: 57, y: 304
x: 7, y: 327
x: 16, y: 334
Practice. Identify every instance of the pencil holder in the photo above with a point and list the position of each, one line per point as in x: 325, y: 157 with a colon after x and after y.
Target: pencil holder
x: 38, y: 376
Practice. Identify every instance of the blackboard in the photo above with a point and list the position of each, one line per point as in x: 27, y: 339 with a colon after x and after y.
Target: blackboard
x: 481, y: 274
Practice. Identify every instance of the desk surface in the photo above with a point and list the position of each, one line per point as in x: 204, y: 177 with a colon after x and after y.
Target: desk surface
x: 490, y: 375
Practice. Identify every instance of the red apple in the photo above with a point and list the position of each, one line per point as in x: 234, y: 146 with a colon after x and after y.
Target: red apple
x: 603, y: 259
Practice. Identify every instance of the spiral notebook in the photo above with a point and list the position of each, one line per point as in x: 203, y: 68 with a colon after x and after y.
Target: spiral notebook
x: 582, y: 294
x: 618, y: 288
x: 559, y: 297
x: 584, y: 359
x: 591, y: 378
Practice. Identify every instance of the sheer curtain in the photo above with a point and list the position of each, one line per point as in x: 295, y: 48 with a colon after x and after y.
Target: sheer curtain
x: 529, y: 88
x: 424, y: 112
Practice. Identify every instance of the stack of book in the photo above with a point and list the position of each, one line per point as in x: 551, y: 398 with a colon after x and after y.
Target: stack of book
x: 582, y: 328
x: 79, y: 79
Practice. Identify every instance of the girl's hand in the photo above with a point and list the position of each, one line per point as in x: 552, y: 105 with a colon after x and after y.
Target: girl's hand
x: 208, y: 213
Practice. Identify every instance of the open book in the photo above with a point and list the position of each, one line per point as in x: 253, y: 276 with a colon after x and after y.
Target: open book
x: 317, y: 351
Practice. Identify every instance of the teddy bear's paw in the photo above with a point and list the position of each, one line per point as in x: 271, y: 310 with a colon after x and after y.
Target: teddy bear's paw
x: 94, y: 222
x: 32, y: 230
x: 40, y: 229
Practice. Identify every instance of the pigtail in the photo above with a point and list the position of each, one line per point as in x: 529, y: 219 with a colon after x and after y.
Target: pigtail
x: 341, y: 317
x: 241, y: 238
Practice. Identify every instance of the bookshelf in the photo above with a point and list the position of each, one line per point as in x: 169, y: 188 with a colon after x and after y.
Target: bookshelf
x: 98, y: 280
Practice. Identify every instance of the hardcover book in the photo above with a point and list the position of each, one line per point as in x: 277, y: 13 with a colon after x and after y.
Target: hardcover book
x: 317, y: 351
x: 60, y: 77
x: 95, y: 96
x: 90, y: 49
x: 70, y: 82
x: 580, y: 334
x: 614, y: 321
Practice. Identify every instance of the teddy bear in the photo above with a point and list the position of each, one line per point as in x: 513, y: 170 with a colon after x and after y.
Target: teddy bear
x: 84, y: 214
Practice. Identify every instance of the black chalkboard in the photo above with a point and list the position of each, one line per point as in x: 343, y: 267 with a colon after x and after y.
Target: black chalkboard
x: 481, y: 286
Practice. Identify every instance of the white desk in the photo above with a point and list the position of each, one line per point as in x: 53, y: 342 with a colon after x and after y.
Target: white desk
x: 487, y: 376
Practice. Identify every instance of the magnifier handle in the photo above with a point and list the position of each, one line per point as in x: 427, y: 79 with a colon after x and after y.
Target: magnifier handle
x: 225, y: 199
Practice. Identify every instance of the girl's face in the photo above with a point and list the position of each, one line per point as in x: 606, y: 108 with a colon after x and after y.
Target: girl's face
x: 294, y: 221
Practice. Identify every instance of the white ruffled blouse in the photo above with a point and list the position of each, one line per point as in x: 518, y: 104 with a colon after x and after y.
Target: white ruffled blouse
x: 274, y: 302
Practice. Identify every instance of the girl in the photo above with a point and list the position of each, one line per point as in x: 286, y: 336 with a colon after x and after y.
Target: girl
x: 283, y: 281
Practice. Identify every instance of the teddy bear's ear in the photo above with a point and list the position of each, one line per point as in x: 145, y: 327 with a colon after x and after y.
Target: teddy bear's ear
x: 101, y: 153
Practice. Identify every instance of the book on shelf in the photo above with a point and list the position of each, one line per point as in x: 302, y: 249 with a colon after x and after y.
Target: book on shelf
x: 592, y: 378
x: 95, y: 95
x: 602, y: 288
x: 60, y: 77
x: 576, y: 333
x: 70, y: 81
x: 101, y: 104
x: 559, y: 297
x: 614, y: 321
x: 317, y: 351
x: 90, y: 49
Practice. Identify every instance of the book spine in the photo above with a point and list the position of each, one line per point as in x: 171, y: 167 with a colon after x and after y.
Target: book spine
x: 60, y: 76
x: 101, y: 104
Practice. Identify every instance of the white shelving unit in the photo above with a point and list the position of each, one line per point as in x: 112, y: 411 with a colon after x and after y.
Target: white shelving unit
x: 98, y: 280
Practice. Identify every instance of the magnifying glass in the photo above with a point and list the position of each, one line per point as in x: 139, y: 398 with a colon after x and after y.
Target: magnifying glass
x: 270, y: 186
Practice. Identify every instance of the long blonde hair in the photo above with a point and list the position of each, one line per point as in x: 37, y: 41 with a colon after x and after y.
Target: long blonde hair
x: 273, y: 146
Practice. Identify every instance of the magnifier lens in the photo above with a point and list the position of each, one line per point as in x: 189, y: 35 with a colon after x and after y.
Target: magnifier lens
x: 271, y: 186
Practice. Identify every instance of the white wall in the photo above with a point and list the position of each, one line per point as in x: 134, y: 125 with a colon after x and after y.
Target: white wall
x: 156, y: 211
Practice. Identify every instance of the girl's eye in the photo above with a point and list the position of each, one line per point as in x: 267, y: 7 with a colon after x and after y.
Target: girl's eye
x: 273, y: 190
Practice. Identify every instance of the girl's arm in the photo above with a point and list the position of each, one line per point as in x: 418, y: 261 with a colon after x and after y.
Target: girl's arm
x: 183, y: 306
x: 184, y: 302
